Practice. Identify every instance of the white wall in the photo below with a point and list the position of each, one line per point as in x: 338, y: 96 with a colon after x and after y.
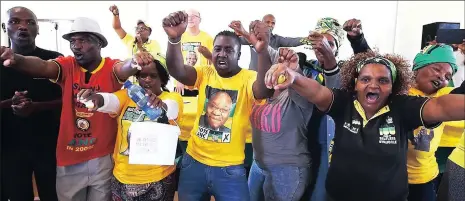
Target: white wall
x: 411, y: 17
x: 389, y: 25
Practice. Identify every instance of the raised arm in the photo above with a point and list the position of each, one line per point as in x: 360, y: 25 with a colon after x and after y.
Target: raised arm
x: 449, y: 107
x: 289, y: 41
x: 305, y: 87
x: 357, y: 40
x: 261, y: 36
x: 175, y: 25
x: 205, y: 52
x: 129, y: 67
x: 116, y: 22
x: 236, y: 25
x: 446, y: 108
x: 33, y: 66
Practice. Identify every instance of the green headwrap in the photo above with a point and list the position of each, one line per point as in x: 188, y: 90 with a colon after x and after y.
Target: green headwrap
x: 435, y: 54
x: 379, y: 60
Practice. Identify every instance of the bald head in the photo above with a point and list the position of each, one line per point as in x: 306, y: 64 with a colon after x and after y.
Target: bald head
x: 193, y: 19
x: 21, y: 27
x: 270, y: 21
x: 17, y: 9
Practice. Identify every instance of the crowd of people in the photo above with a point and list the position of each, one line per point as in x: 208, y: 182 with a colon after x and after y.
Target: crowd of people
x: 399, y: 126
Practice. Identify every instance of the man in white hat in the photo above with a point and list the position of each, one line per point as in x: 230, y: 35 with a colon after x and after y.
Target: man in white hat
x: 86, y: 139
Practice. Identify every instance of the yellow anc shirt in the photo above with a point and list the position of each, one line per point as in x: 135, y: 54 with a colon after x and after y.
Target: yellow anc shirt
x: 137, y: 174
x: 421, y: 160
x: 453, y: 130
x: 151, y: 46
x: 191, y: 43
x: 458, y: 155
x: 222, y: 121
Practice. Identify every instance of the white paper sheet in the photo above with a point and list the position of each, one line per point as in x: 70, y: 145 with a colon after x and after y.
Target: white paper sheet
x: 153, y: 143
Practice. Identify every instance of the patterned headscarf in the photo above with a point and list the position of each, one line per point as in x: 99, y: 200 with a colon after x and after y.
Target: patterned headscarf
x: 379, y: 60
x: 331, y: 26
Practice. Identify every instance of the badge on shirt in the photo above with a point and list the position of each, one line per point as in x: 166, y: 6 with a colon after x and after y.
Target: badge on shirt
x: 387, y: 132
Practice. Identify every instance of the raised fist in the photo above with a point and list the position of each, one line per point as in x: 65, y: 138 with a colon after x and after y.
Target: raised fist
x: 288, y: 57
x: 323, y: 50
x: 175, y: 24
x: 7, y: 56
x: 141, y: 59
x: 261, y: 33
x: 280, y: 76
x: 238, y: 28
x: 353, y: 27
x: 114, y: 9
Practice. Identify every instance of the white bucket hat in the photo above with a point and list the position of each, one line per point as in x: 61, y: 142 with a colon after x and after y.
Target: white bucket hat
x: 86, y: 25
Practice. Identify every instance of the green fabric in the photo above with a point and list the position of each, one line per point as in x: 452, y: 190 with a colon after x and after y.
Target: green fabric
x: 331, y: 26
x: 379, y: 60
x: 435, y: 54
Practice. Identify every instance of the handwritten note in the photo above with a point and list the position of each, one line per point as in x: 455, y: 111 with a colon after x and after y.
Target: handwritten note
x: 153, y: 143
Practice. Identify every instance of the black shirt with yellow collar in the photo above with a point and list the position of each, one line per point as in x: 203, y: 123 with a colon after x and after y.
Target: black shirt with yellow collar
x: 369, y: 156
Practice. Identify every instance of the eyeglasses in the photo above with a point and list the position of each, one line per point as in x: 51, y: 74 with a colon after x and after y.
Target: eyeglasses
x: 142, y: 29
x: 193, y: 16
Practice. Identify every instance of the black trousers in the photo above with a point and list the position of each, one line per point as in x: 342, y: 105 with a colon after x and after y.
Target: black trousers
x: 19, y: 164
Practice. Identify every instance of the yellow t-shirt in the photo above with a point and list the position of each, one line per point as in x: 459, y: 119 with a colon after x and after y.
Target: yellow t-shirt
x: 453, y: 130
x: 421, y: 160
x: 151, y: 46
x: 458, y: 155
x: 137, y: 174
x: 222, y: 122
x: 191, y: 43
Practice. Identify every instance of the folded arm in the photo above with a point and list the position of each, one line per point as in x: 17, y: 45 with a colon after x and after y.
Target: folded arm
x: 48, y: 105
x: 6, y: 103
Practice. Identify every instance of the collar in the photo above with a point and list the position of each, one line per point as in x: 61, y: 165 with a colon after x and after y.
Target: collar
x: 361, y: 111
x: 96, y: 69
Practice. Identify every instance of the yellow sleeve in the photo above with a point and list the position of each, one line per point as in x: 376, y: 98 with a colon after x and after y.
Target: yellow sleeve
x: 200, y: 72
x: 123, y: 99
x: 178, y: 98
x: 128, y: 40
x: 251, y: 80
x: 155, y: 48
x: 444, y: 91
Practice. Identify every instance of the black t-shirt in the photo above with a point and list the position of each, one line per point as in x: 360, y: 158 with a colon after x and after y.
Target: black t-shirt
x: 39, y: 130
x: 369, y: 156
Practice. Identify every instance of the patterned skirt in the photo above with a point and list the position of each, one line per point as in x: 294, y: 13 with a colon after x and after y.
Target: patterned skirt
x: 452, y: 183
x: 157, y: 191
